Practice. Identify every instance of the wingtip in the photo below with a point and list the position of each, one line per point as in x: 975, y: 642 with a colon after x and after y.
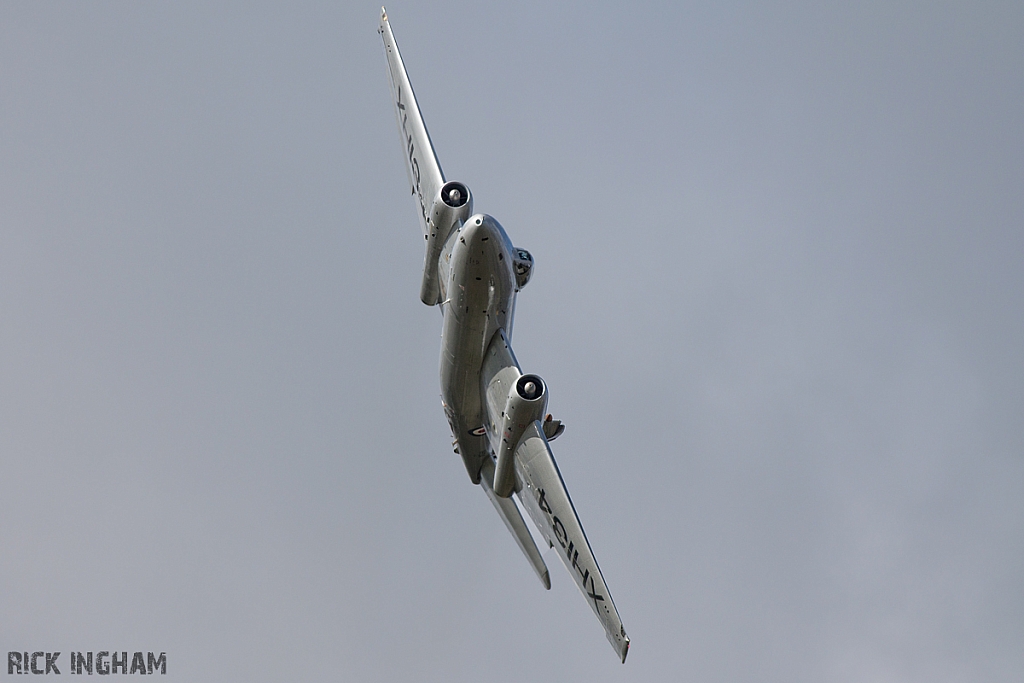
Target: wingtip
x: 546, y: 580
x: 383, y: 13
x: 625, y: 650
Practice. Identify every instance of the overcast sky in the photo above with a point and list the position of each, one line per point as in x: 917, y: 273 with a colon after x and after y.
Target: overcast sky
x: 778, y: 301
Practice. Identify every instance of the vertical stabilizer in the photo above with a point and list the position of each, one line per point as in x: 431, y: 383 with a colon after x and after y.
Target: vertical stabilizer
x: 509, y: 513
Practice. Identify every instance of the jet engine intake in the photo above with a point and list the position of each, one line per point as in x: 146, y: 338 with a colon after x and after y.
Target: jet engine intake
x: 455, y: 194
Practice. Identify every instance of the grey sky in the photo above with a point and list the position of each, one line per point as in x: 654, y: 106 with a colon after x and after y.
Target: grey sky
x: 778, y: 302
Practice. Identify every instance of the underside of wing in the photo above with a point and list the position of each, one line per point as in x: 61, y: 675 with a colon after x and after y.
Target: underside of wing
x: 546, y: 499
x: 425, y: 174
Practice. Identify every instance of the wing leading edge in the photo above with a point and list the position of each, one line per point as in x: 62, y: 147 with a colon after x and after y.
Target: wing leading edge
x: 421, y: 164
x: 547, y: 501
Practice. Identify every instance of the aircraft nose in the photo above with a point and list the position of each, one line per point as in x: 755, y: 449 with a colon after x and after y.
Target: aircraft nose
x: 480, y: 228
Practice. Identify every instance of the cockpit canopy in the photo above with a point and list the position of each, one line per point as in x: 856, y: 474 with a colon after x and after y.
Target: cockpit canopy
x: 523, y: 264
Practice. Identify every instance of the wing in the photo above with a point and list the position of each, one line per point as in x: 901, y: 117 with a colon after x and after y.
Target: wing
x: 425, y: 174
x: 547, y: 501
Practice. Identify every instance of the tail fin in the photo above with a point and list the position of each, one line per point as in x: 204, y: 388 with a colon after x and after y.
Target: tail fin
x: 513, y: 519
x: 425, y: 173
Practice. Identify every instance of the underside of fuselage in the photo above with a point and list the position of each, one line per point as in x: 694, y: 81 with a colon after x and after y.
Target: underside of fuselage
x: 479, y: 295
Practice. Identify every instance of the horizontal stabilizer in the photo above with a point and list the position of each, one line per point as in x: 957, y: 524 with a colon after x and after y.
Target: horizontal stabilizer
x: 510, y: 514
x: 547, y: 501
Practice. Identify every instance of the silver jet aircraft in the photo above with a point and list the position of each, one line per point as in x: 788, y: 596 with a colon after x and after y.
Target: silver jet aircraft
x: 498, y: 415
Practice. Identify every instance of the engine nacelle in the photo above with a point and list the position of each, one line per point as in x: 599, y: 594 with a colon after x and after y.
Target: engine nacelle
x: 452, y: 206
x: 526, y: 403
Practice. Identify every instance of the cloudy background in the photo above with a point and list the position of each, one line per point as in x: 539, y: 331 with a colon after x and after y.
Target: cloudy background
x: 779, y: 302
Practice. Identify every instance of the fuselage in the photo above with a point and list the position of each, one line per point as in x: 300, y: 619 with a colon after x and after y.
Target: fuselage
x: 479, y: 299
